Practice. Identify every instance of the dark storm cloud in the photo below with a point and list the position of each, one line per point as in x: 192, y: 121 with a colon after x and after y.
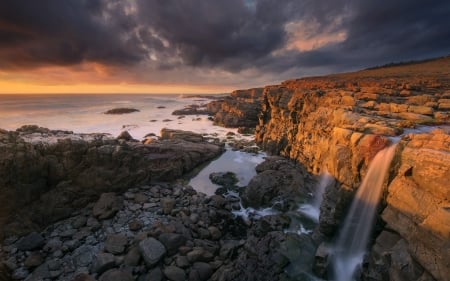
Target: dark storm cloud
x: 379, y: 33
x: 231, y: 35
x: 34, y: 33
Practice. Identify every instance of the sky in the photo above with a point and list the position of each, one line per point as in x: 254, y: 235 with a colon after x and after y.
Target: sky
x: 206, y: 46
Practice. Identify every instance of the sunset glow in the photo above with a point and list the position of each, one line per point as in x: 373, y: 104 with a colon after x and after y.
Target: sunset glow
x: 105, y: 46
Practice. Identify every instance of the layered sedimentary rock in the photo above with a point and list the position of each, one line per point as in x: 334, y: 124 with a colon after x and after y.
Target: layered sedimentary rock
x: 45, y: 175
x: 338, y: 123
x: 240, y: 109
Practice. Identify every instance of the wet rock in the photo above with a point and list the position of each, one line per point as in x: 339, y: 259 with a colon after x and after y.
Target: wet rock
x: 103, y: 262
x: 31, y: 242
x: 83, y: 256
x: 180, y: 134
x: 152, y: 251
x: 115, y: 244
x: 200, y: 271
x: 33, y: 260
x: 116, y: 275
x: 167, y: 205
x: 121, y: 110
x: 133, y: 256
x: 172, y: 242
x: 83, y: 277
x: 174, y: 273
x: 227, y: 179
x: 107, y: 206
x: 153, y: 275
x: 135, y: 225
x: 125, y: 135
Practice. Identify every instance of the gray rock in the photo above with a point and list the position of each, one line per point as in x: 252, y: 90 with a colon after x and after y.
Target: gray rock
x: 79, y: 222
x: 107, y: 206
x: 133, y: 257
x: 31, y: 242
x: 83, y: 277
x: 182, y: 261
x: 215, y: 233
x: 54, y: 264
x: 172, y: 241
x: 116, y: 275
x: 200, y: 271
x: 174, y: 273
x: 167, y: 205
x: 199, y: 254
x: 135, y: 225
x: 20, y: 273
x: 103, y: 262
x: 83, y: 256
x: 153, y: 275
x: 115, y: 244
x: 152, y: 251
x: 33, y: 260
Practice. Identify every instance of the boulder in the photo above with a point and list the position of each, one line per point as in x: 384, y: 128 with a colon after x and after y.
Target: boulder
x: 152, y: 251
x: 107, y: 206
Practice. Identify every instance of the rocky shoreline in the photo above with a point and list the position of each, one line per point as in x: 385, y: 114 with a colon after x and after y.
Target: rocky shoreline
x: 159, y: 230
x: 112, y: 209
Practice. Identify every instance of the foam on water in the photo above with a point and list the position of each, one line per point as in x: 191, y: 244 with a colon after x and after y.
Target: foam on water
x: 312, y: 210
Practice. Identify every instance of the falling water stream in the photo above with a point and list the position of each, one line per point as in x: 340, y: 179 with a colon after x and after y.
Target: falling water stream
x: 312, y: 210
x: 353, y: 238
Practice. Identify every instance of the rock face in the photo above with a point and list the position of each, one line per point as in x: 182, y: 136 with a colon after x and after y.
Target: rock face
x: 417, y: 214
x: 45, y: 175
x: 340, y: 122
x: 240, y: 109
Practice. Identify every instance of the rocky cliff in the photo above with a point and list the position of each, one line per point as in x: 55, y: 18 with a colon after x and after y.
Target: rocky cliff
x: 45, y: 175
x: 338, y: 123
x: 240, y: 109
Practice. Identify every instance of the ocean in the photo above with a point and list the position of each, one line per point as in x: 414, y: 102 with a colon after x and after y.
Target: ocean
x: 83, y: 113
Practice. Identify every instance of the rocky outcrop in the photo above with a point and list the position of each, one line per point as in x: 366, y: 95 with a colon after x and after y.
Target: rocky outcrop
x: 415, y: 241
x: 240, y: 109
x: 45, y: 175
x: 339, y: 122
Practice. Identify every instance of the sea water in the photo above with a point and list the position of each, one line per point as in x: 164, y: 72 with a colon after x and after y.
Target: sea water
x: 83, y: 113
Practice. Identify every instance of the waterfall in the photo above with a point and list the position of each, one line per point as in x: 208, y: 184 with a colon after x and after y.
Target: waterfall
x: 355, y: 233
x: 312, y: 210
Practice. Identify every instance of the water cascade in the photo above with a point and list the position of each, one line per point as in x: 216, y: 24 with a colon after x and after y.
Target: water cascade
x: 353, y: 238
x: 312, y: 210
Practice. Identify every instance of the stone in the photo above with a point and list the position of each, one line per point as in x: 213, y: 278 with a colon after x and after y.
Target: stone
x: 174, y: 273
x: 200, y: 271
x: 116, y: 275
x: 31, y: 242
x: 33, y: 260
x: 215, y: 233
x: 84, y: 256
x: 115, y: 244
x: 155, y: 275
x: 182, y: 261
x: 167, y: 205
x: 125, y: 135
x: 83, y: 277
x: 180, y: 134
x: 107, y: 206
x: 152, y: 251
x: 133, y: 256
x: 135, y: 225
x: 103, y: 262
x: 172, y: 242
x: 79, y: 222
